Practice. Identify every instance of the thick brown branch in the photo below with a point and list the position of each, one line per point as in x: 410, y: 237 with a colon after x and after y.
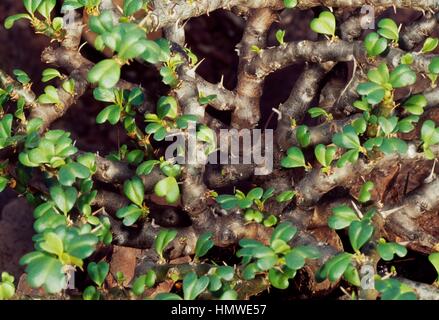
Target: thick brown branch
x: 418, y: 31
x: 403, y: 224
x: 249, y: 89
x: 315, y: 184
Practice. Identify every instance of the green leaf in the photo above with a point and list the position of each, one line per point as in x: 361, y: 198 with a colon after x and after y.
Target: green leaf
x: 3, y: 183
x: 203, y: 101
x: 295, y: 259
x: 145, y: 281
x: 71, y: 171
x: 324, y: 24
x: 32, y: 5
x: 204, y: 244
x: 132, y: 46
x: 391, y: 145
x: 374, y: 93
x: 268, y: 193
x: 407, y: 58
x: 10, y: 21
x: 106, y: 73
x: 207, y: 135
x: 285, y: 196
x: 46, y: 7
x: 230, y: 294
x: 80, y: 245
x: 270, y: 221
x: 183, y: 121
x: 129, y: 214
x: 44, y: 270
x: 433, y: 67
x: 402, y: 76
x: 52, y: 244
x: 406, y: 125
x: 266, y: 257
x: 102, y: 23
x: 364, y: 195
x: 69, y: 86
x: 303, y: 135
x: 388, y: 125
x: 253, y: 215
x: 57, y: 24
x: 334, y: 268
x: 135, y: 157
x: 255, y: 193
x: 170, y: 170
x: 227, y: 201
x: 324, y: 155
x: 90, y: 293
x: 104, y: 95
x: 64, y: 198
x: 430, y: 44
x: 348, y: 139
x: 50, y: 73
x: 130, y: 7
x: 164, y: 238
x: 359, y: 233
x: 135, y: 190
x: 389, y: 249
x: 280, y: 35
x: 111, y: 114
x: 88, y: 160
x: 21, y: 76
x: 429, y: 133
x: 392, y: 289
x: 98, y: 272
x: 152, y: 52
x: 374, y: 44
x: 290, y: 3
x: 169, y: 189
x: 169, y: 76
x: 284, y: 231
x: 280, y: 246
x: 388, y: 29
x: 379, y: 75
x: 342, y: 217
x: 167, y: 107
x: 415, y: 104
x: 49, y: 220
x: 360, y: 125
x: 278, y: 279
x: 362, y: 105
x: 168, y: 296
x: 7, y: 288
x: 351, y: 275
x: 136, y: 97
x: 5, y: 129
x: 294, y: 159
x: 214, y: 283
x: 34, y: 125
x: 194, y: 286
x: 50, y: 96
x: 317, y: 112
x: 434, y: 259
x: 250, y: 271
